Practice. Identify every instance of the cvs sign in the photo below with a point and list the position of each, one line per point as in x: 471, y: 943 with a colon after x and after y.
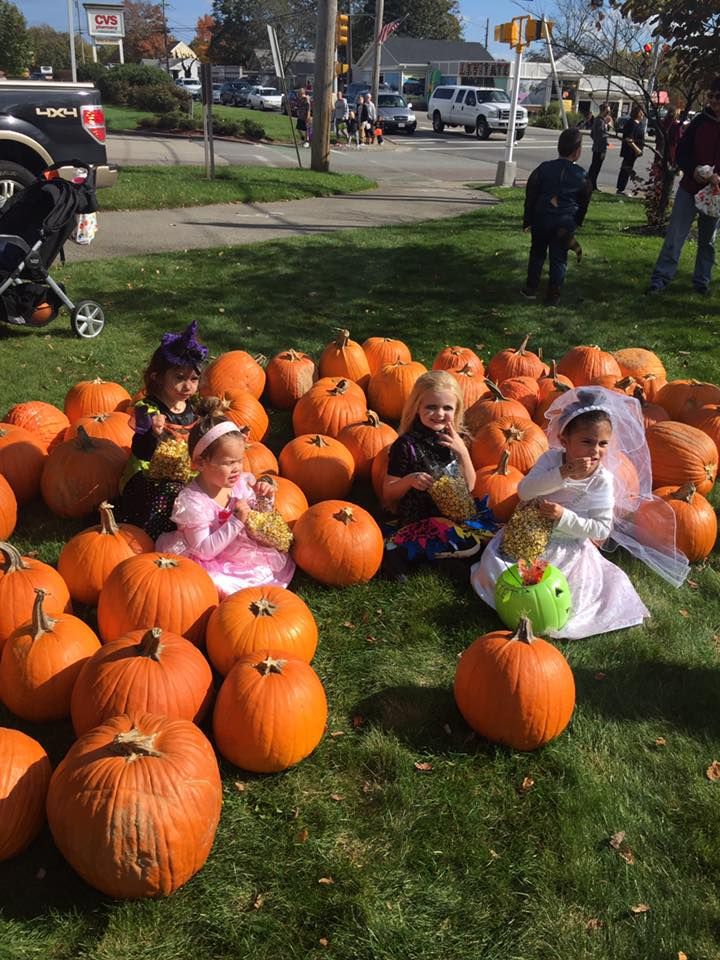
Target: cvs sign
x: 105, y: 21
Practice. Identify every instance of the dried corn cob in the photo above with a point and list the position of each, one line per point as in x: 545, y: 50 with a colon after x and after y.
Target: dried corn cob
x: 269, y: 529
x: 171, y: 462
x: 527, y: 534
x: 453, y: 498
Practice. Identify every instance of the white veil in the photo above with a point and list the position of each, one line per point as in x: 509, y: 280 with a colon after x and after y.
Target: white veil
x: 628, y: 460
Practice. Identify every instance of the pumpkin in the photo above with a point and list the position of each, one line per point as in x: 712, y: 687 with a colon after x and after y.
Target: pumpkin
x: 22, y: 458
x: 548, y: 398
x: 695, y: 520
x: 155, y: 589
x: 365, y: 440
x: 472, y: 385
x: 258, y: 619
x: 144, y: 671
x: 626, y: 385
x: 681, y: 454
x: 290, y: 374
x: 24, y: 778
x: 148, y: 795
x: 378, y: 474
x: 383, y: 350
x: 707, y: 419
x: 42, y: 419
x: 290, y: 501
x: 245, y: 411
x: 546, y: 384
x: 270, y: 712
x: 8, y: 509
x: 515, y: 688
x: 515, y: 363
x: 234, y: 370
x: 87, y: 560
x: 345, y: 358
x: 499, y: 484
x: 525, y: 442
x: 546, y: 604
x: 328, y: 406
x: 41, y: 661
x: 683, y: 398
x: 259, y: 459
x: 651, y: 386
x: 20, y: 577
x: 637, y: 362
x: 523, y: 389
x: 493, y: 407
x: 115, y: 426
x: 584, y: 364
x: 458, y: 358
x: 322, y: 467
x: 79, y: 474
x: 390, y: 387
x: 338, y: 543
x: 94, y: 396
x: 651, y: 412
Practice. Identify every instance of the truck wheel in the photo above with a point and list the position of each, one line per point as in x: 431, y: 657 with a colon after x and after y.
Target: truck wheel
x: 87, y: 319
x: 482, y: 130
x: 469, y: 128
x: 519, y: 134
x: 438, y: 125
x: 13, y: 179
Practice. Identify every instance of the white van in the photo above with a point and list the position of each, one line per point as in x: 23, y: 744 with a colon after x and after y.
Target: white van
x: 480, y: 110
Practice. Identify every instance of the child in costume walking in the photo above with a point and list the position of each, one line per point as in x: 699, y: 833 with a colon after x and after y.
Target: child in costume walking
x: 159, y: 467
x: 579, y: 485
x: 211, y: 512
x: 431, y: 447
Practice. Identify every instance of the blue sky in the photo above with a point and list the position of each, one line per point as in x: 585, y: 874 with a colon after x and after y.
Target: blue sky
x: 183, y: 14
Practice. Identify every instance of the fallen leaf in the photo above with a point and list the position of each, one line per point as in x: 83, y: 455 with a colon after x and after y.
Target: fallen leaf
x: 660, y: 742
x: 350, y: 626
x: 239, y: 786
x: 324, y: 942
x: 370, y: 639
x: 258, y: 901
x: 594, y: 924
x: 713, y: 771
x: 527, y: 784
x: 692, y: 584
x: 302, y: 835
x: 681, y: 955
x: 357, y: 720
x: 684, y: 613
x: 640, y: 908
x: 494, y: 855
x: 423, y: 766
x: 337, y: 797
x: 616, y: 839
x: 337, y: 733
x: 600, y: 675
x: 326, y: 881
x: 221, y: 309
x: 627, y: 855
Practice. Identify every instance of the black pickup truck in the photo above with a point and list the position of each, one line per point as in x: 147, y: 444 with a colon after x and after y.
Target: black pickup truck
x: 42, y: 123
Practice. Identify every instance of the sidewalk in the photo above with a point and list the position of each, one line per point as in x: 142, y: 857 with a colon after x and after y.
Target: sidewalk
x: 139, y: 233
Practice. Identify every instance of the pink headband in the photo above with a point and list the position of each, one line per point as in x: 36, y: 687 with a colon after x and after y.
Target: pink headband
x: 219, y: 430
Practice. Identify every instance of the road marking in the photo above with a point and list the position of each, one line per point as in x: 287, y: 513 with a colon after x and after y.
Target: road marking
x: 261, y: 158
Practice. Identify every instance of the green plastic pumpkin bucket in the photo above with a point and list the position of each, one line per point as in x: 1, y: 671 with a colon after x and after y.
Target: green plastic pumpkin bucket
x: 546, y: 603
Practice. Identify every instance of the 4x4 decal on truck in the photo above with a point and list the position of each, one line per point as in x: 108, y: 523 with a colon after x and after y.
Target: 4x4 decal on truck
x: 56, y: 113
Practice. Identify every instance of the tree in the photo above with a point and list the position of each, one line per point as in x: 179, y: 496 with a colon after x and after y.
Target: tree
x: 203, y: 36
x: 14, y: 43
x: 429, y: 19
x: 51, y: 47
x: 241, y: 28
x: 145, y: 32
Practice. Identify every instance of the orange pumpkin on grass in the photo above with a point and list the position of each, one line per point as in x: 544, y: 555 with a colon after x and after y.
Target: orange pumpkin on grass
x: 365, y: 440
x: 290, y: 501
x: 524, y: 440
x: 459, y: 358
x: 94, y: 396
x: 681, y: 454
x: 331, y: 404
x: 637, y: 362
x: 383, y: 350
x: 515, y: 363
x: 245, y: 411
x: 8, y: 509
x: 116, y: 426
x: 493, y: 407
x: 582, y: 365
x: 20, y: 577
x: 259, y: 459
x: 499, y: 484
x: 22, y: 458
x: 43, y: 419
x: 473, y: 386
x: 322, y: 467
x: 79, y: 474
x: 24, y: 778
x: 290, y: 374
x: 391, y: 386
x: 234, y: 370
x: 683, y: 398
x: 707, y: 419
x: 345, y: 358
x: 523, y: 389
x: 338, y: 543
x: 695, y: 520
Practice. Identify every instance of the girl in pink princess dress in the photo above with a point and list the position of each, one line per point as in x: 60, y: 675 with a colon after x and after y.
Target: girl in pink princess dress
x: 210, y: 513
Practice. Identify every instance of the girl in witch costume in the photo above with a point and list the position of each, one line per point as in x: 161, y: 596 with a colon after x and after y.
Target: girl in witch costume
x: 159, y: 466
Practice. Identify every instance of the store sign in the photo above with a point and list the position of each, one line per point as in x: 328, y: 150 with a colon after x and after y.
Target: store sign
x: 485, y: 68
x: 105, y: 22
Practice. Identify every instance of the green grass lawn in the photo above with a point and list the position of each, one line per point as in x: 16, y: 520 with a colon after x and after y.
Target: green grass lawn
x: 275, y: 124
x: 457, y: 861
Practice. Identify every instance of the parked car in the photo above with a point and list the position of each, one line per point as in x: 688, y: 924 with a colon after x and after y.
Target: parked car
x: 264, y: 98
x: 193, y: 87
x: 243, y: 94
x: 216, y: 88
x: 230, y: 91
x: 480, y: 110
x: 396, y: 113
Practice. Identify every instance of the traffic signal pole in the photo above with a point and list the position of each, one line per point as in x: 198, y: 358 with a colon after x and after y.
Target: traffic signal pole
x: 323, y: 86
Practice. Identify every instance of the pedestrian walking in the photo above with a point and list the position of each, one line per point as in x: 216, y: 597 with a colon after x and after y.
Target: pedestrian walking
x: 633, y: 143
x: 353, y: 129
x: 341, y: 112
x: 304, y: 116
x: 599, y: 135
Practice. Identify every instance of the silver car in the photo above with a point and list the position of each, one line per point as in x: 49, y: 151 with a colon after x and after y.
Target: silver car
x: 396, y: 113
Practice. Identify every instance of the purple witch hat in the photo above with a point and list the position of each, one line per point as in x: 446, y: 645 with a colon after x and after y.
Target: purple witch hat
x: 184, y: 349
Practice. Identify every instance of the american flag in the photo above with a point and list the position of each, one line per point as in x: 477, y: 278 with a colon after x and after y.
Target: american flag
x: 388, y: 30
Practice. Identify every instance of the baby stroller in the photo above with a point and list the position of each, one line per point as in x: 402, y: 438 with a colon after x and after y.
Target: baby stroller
x: 34, y: 226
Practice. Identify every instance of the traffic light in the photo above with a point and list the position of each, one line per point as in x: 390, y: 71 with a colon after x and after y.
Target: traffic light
x: 342, y: 27
x: 508, y: 33
x: 340, y: 68
x: 647, y: 49
x: 534, y: 30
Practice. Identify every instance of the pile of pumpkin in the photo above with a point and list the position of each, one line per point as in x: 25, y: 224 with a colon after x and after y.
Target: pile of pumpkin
x: 135, y: 701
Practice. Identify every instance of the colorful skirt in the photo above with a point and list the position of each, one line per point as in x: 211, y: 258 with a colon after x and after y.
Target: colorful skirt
x: 437, y: 538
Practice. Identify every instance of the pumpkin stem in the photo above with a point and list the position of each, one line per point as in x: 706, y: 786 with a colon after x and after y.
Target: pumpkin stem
x: 318, y: 441
x: 108, y: 524
x: 345, y: 515
x: 553, y: 370
x: 15, y: 561
x: 524, y: 632
x: 373, y: 420
x: 342, y: 338
x: 503, y: 467
x: 560, y: 386
x: 521, y: 349
x: 340, y: 388
x: 41, y: 622
x: 260, y: 359
x: 686, y: 492
x: 512, y: 434
x: 262, y: 608
x: 132, y: 744
x: 494, y: 389
x: 625, y: 383
x: 639, y: 394
x: 270, y: 665
x: 150, y: 645
x: 465, y: 371
x: 83, y: 441
x: 166, y: 563
x: 292, y: 354
x: 97, y: 380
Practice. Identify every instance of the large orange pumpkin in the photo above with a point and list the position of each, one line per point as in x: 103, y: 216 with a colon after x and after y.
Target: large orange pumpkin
x: 473, y: 385
x: 695, y: 521
x: 681, y: 454
x: 345, y: 358
x: 707, y: 419
x: 24, y: 777
x: 270, y: 712
x: 290, y: 374
x: 493, y: 407
x: 546, y: 384
x: 245, y: 411
x: 391, y: 386
x: 637, y: 362
x: 459, y: 358
x: 365, y: 440
x: 41, y: 661
x: 383, y: 350
x: 115, y: 426
x: 79, y: 474
x: 157, y: 590
x: 259, y: 459
x: 683, y: 398
x: 328, y: 406
x: 651, y: 386
x: 651, y: 412
x: 8, y: 509
x: 94, y: 396
x: 258, y: 619
x: 338, y: 543
x: 584, y: 364
x: 524, y: 440
x: 627, y: 385
x: 144, y: 671
x: 290, y: 501
x: 234, y: 370
x: 322, y: 467
x: 20, y: 577
x: 43, y: 419
x: 148, y: 795
x: 523, y: 389
x: 22, y: 458
x: 88, y: 559
x: 499, y: 484
x: 515, y: 363
x: 515, y: 689
x: 547, y: 397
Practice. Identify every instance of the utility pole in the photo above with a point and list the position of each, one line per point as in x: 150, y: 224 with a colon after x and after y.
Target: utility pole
x: 379, y: 17
x: 71, y: 37
x: 165, y: 35
x: 487, y: 32
x: 322, y: 90
x: 80, y: 36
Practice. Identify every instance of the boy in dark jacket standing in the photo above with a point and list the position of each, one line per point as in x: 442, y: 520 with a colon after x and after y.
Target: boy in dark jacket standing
x: 556, y: 201
x: 698, y: 151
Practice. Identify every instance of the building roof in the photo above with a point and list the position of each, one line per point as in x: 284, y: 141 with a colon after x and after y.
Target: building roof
x: 618, y: 85
x: 413, y: 52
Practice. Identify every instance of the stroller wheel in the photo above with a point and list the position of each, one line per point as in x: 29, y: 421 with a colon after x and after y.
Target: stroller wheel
x: 87, y: 319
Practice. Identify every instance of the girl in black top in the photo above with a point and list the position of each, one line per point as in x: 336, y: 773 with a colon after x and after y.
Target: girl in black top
x: 633, y: 142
